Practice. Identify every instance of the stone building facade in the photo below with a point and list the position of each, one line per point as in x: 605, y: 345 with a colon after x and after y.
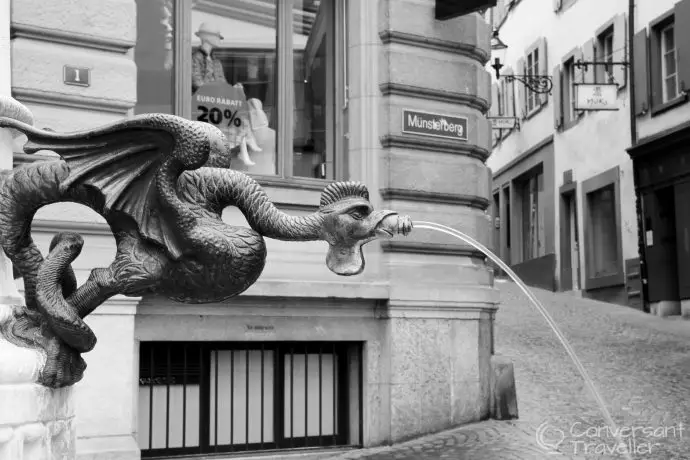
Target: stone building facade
x: 405, y: 348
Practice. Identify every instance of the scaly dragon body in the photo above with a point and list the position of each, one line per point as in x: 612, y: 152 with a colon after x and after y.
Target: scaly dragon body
x: 161, y: 182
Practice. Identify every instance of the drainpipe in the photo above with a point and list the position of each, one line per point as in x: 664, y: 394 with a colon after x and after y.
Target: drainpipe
x: 633, y: 141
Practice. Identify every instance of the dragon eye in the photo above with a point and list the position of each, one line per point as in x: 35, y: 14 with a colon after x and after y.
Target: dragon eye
x: 359, y: 212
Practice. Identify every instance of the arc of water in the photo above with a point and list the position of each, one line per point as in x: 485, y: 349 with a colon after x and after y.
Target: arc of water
x: 583, y: 372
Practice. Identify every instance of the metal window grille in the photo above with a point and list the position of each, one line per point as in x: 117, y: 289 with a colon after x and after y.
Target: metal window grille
x: 208, y: 397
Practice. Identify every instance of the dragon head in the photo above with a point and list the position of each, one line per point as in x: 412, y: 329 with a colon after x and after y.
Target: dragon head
x: 350, y: 221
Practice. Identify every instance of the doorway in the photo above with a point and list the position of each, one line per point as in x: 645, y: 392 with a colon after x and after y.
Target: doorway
x: 682, y: 220
x: 660, y: 243
x: 570, y: 242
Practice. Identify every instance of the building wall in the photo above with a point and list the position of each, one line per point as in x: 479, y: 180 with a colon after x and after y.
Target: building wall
x: 410, y: 291
x: 588, y: 147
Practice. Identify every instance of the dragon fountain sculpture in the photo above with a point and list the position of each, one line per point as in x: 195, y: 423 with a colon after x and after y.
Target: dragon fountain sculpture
x: 161, y: 182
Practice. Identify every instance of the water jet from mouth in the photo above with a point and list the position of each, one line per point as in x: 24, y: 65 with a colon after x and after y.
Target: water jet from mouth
x: 540, y: 308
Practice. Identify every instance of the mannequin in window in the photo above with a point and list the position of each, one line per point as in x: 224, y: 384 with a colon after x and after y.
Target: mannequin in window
x: 205, y: 67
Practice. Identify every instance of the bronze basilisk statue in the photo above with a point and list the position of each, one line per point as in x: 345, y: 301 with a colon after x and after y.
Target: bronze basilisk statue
x: 161, y: 182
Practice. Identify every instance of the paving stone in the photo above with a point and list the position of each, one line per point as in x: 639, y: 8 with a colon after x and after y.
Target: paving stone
x: 640, y: 364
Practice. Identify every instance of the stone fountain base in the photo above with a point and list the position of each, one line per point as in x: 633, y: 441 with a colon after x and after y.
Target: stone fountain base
x: 36, y: 422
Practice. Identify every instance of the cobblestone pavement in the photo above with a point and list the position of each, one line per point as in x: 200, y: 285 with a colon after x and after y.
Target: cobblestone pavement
x: 640, y: 364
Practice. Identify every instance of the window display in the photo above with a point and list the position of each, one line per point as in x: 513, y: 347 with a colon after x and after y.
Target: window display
x: 268, y: 73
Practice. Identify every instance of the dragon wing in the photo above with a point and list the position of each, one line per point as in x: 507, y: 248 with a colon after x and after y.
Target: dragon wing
x: 120, y: 161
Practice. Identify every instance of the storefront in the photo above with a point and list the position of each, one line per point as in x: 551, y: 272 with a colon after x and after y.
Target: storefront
x: 663, y: 184
x: 307, y: 92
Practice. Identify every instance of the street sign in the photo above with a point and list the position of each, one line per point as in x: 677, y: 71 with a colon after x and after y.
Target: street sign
x: 434, y: 125
x: 76, y: 76
x: 503, y: 122
x: 590, y: 96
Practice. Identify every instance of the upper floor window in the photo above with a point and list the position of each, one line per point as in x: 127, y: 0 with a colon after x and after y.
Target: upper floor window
x: 532, y: 69
x: 669, y: 76
x: 605, y: 52
x: 569, y: 89
x: 270, y: 75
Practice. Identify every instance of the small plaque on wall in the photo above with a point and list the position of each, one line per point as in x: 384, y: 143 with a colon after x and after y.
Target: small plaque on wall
x: 76, y: 76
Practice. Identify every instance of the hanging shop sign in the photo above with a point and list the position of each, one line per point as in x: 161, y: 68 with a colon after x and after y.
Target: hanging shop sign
x: 434, y: 125
x: 596, y: 97
x: 220, y: 104
x: 503, y: 122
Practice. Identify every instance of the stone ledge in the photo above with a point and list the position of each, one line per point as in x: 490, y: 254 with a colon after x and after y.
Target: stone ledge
x: 419, y: 309
x: 110, y: 447
x: 435, y: 145
x: 71, y: 38
x: 73, y: 101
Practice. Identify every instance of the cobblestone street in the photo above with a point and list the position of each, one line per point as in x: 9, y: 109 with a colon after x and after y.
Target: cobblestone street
x: 640, y: 363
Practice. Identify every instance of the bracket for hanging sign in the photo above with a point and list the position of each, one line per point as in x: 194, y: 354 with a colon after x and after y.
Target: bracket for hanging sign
x: 580, y: 63
x: 504, y: 122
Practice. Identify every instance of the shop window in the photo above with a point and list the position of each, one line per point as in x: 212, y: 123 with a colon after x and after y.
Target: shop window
x: 154, y: 56
x: 603, y: 260
x: 531, y: 192
x: 269, y: 74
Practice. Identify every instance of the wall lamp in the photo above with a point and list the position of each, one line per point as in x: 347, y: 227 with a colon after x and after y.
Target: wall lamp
x: 541, y: 84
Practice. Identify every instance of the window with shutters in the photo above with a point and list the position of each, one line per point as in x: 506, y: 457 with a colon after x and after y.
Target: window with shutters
x: 569, y: 90
x: 605, y: 53
x: 533, y: 64
x: 668, y: 64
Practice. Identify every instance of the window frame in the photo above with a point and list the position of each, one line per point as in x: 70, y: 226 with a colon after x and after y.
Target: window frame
x: 532, y: 52
x: 604, y: 74
x: 336, y: 155
x: 608, y: 178
x: 664, y: 70
x: 348, y: 410
x: 568, y: 77
x: 657, y: 104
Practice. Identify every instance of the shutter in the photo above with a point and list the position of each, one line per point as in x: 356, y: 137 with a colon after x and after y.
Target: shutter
x: 521, y: 103
x: 620, y: 72
x: 579, y: 76
x: 588, y: 55
x: 641, y: 84
x: 579, y: 73
x: 543, y: 67
x: 557, y: 5
x: 493, y: 111
x: 510, y: 95
x: 682, y: 37
x: 557, y: 97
